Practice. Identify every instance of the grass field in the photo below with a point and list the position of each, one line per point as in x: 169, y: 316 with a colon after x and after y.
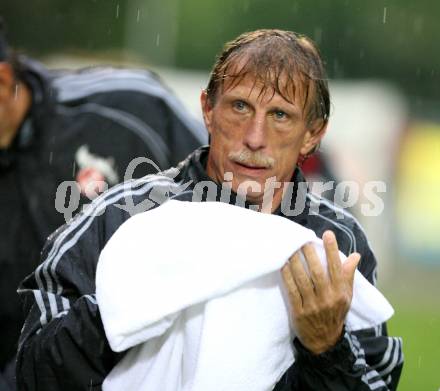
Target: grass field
x: 420, y: 330
x: 416, y: 300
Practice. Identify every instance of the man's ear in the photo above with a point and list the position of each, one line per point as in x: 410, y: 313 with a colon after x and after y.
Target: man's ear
x: 206, y: 110
x: 7, y: 81
x: 314, y: 134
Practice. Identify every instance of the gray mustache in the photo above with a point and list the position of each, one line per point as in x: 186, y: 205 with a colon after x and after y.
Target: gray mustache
x: 249, y: 158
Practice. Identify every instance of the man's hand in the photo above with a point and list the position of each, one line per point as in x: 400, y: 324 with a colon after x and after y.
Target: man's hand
x: 320, y: 302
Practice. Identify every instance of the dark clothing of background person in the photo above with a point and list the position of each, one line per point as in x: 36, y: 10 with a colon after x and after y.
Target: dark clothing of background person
x: 114, y: 115
x: 63, y: 343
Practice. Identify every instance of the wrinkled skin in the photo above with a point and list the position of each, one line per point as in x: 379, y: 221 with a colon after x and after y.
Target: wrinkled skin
x: 320, y: 302
x: 257, y: 135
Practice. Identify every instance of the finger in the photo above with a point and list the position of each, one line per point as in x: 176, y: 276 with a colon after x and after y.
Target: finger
x: 349, y: 267
x: 292, y: 290
x: 317, y: 272
x: 333, y: 260
x: 302, y: 280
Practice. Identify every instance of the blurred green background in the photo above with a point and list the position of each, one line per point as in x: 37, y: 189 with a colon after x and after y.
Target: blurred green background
x: 393, y: 41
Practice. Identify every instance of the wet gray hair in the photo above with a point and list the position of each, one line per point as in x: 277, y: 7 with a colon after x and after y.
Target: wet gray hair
x: 283, y: 61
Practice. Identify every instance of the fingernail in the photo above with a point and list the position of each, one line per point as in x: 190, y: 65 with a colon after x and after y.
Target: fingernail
x: 328, y: 236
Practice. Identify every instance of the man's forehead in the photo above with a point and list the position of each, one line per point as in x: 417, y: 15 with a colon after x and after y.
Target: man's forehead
x: 267, y: 89
x: 270, y: 77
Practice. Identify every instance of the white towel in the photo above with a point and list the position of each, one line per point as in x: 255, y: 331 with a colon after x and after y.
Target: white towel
x: 195, y: 290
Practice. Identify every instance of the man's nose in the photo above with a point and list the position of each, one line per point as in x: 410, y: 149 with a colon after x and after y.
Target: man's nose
x: 255, y: 137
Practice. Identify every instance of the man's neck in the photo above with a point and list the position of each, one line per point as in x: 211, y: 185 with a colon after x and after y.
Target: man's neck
x: 16, y: 110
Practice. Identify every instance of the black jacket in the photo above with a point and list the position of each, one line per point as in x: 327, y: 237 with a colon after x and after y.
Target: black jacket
x: 109, y: 115
x: 63, y: 344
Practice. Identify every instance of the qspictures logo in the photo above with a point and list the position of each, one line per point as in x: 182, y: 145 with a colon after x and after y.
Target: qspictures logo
x: 295, y: 196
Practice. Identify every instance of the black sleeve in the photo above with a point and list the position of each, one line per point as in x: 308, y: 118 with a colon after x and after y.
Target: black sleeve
x: 360, y: 361
x: 63, y: 344
x: 68, y: 353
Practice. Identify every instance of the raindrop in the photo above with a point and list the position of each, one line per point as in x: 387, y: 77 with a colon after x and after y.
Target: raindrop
x: 157, y: 39
x: 418, y: 25
x: 117, y: 11
x: 138, y: 15
x: 419, y: 361
x: 318, y: 35
x: 335, y: 67
x: 384, y: 19
x: 50, y: 157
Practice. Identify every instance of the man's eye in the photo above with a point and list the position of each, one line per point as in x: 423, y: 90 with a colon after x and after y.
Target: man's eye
x: 279, y: 114
x: 239, y: 105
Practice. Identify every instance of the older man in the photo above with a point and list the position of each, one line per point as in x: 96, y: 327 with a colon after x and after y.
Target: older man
x: 266, y: 108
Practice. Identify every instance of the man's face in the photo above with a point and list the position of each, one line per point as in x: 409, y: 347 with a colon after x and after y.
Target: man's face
x: 4, y: 98
x: 256, y: 135
x: 15, y: 100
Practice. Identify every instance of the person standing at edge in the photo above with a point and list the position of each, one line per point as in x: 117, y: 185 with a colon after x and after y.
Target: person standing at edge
x: 266, y: 107
x: 85, y: 127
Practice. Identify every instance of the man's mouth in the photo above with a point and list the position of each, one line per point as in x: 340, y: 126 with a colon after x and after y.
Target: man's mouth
x: 250, y: 169
x: 250, y: 165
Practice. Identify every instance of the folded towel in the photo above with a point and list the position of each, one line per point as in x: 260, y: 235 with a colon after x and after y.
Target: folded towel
x: 195, y: 290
